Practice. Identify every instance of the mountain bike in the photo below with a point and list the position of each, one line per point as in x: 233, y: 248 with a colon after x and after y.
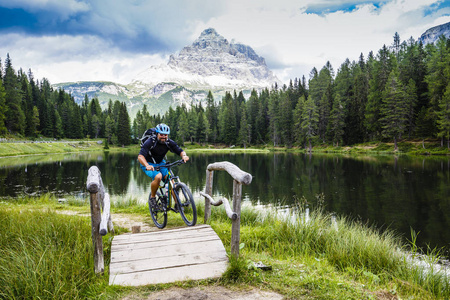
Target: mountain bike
x: 172, y: 191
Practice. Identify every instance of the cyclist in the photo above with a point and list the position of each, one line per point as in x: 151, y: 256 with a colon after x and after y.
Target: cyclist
x: 152, y: 154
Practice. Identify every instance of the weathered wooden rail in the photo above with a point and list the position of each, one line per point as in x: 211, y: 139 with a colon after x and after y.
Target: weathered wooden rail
x: 100, y: 222
x: 240, y: 177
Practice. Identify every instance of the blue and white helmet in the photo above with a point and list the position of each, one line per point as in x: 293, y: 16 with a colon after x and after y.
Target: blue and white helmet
x: 162, y: 128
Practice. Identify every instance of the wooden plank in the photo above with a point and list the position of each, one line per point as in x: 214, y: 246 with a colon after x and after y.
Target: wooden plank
x: 166, y: 262
x: 157, y: 235
x: 188, y: 253
x: 150, y: 244
x: 162, y: 238
x: 194, y: 272
x: 163, y: 250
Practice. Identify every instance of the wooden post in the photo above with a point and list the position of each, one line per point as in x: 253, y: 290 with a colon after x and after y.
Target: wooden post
x: 96, y: 190
x: 96, y: 218
x: 208, y: 191
x: 236, y: 224
x: 240, y: 178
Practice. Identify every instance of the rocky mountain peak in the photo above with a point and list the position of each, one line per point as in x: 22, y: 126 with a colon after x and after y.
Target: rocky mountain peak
x: 212, y: 55
x: 432, y: 35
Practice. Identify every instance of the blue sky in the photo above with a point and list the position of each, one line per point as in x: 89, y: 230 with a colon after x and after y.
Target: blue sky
x: 114, y: 40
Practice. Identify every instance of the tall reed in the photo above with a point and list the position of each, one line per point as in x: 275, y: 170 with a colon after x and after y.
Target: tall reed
x: 44, y: 255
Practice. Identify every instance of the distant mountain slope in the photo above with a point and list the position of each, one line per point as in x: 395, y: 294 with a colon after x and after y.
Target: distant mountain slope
x: 432, y: 35
x: 210, y: 63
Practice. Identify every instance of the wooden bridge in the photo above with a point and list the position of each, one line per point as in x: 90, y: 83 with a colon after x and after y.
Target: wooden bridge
x: 188, y: 253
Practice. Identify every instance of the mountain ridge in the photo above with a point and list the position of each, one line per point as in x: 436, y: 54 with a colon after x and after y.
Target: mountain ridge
x: 210, y: 63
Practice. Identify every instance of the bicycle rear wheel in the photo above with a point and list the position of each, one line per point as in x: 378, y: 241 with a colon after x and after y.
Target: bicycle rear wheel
x: 158, y: 212
x: 186, y: 204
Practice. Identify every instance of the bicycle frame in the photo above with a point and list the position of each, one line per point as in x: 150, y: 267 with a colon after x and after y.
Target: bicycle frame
x: 177, y: 192
x: 168, y: 192
x: 172, y: 180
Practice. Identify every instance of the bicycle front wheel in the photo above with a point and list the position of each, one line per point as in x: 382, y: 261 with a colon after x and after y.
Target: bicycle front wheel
x: 158, y: 211
x: 186, y: 204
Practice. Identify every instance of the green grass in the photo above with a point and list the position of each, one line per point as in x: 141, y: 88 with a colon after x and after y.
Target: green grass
x: 44, y: 255
x: 47, y: 255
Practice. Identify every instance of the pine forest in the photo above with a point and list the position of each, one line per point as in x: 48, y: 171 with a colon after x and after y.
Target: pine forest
x: 402, y: 92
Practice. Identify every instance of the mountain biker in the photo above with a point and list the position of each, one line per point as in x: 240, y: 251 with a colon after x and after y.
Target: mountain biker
x: 152, y: 154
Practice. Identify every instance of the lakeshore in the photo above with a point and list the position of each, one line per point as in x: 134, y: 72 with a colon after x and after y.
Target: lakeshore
x: 24, y: 147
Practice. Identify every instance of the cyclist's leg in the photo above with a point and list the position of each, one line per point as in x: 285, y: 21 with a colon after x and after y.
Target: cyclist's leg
x: 153, y: 175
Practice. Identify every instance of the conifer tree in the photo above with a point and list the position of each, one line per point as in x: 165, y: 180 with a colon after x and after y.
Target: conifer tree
x: 444, y: 116
x: 2, y: 108
x: 244, y: 131
x: 394, y: 109
x: 123, y: 126
x: 15, y: 117
x: 381, y: 69
x: 310, y: 121
x: 299, y: 136
x: 337, y: 121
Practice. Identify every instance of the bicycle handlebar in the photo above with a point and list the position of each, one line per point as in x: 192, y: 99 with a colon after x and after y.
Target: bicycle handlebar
x: 169, y: 165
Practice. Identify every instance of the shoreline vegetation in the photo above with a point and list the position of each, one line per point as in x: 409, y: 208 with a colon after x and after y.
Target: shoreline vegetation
x: 46, y: 254
x: 412, y: 147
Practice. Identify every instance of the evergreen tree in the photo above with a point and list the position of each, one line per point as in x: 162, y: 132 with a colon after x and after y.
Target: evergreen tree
x: 15, y: 117
x: 2, y: 108
x: 394, y: 109
x: 123, y: 126
x: 310, y: 121
x: 337, y: 121
x: 299, y: 135
x: 437, y: 77
x: 227, y: 120
x: 244, y: 131
x: 411, y: 102
x: 109, y: 129
x: 59, y: 130
x: 183, y: 131
x: 381, y: 69
x: 444, y: 116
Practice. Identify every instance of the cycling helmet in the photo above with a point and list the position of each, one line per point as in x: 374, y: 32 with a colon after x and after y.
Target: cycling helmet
x: 162, y: 128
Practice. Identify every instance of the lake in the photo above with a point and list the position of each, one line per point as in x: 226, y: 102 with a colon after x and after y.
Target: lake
x: 400, y: 193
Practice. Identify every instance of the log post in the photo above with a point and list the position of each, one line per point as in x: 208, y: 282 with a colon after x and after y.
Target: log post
x: 96, y: 218
x: 236, y: 224
x: 95, y: 187
x: 208, y: 191
x: 240, y: 177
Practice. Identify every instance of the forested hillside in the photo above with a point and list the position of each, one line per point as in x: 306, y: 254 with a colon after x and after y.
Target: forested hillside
x: 400, y: 92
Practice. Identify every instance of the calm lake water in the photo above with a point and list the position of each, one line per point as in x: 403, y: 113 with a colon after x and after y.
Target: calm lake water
x: 401, y: 193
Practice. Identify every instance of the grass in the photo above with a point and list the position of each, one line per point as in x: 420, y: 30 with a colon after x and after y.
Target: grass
x: 46, y: 256
x: 313, y: 256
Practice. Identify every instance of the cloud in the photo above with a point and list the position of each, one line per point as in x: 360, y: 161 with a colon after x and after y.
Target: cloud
x: 301, y: 39
x: 108, y: 39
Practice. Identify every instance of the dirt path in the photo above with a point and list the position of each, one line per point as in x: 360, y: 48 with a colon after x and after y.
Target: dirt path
x: 207, y: 292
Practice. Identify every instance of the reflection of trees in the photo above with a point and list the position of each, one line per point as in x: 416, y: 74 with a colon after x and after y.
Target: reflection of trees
x: 413, y: 192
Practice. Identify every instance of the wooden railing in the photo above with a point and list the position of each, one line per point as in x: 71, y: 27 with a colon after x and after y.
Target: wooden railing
x: 240, y: 177
x: 101, y: 222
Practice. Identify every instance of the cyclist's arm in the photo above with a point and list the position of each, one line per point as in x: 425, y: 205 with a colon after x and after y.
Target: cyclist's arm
x: 144, y: 162
x: 184, y: 157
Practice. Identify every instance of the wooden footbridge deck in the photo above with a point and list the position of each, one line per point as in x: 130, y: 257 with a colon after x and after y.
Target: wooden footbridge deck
x: 188, y: 253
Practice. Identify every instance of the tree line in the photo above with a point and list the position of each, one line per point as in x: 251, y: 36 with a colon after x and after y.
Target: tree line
x: 30, y: 108
x: 401, y: 92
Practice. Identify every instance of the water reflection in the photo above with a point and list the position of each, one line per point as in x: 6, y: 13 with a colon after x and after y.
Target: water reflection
x: 396, y: 192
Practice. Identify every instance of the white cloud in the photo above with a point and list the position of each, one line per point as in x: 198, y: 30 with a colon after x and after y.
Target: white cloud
x: 292, y: 40
x: 302, y: 40
x: 79, y: 58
